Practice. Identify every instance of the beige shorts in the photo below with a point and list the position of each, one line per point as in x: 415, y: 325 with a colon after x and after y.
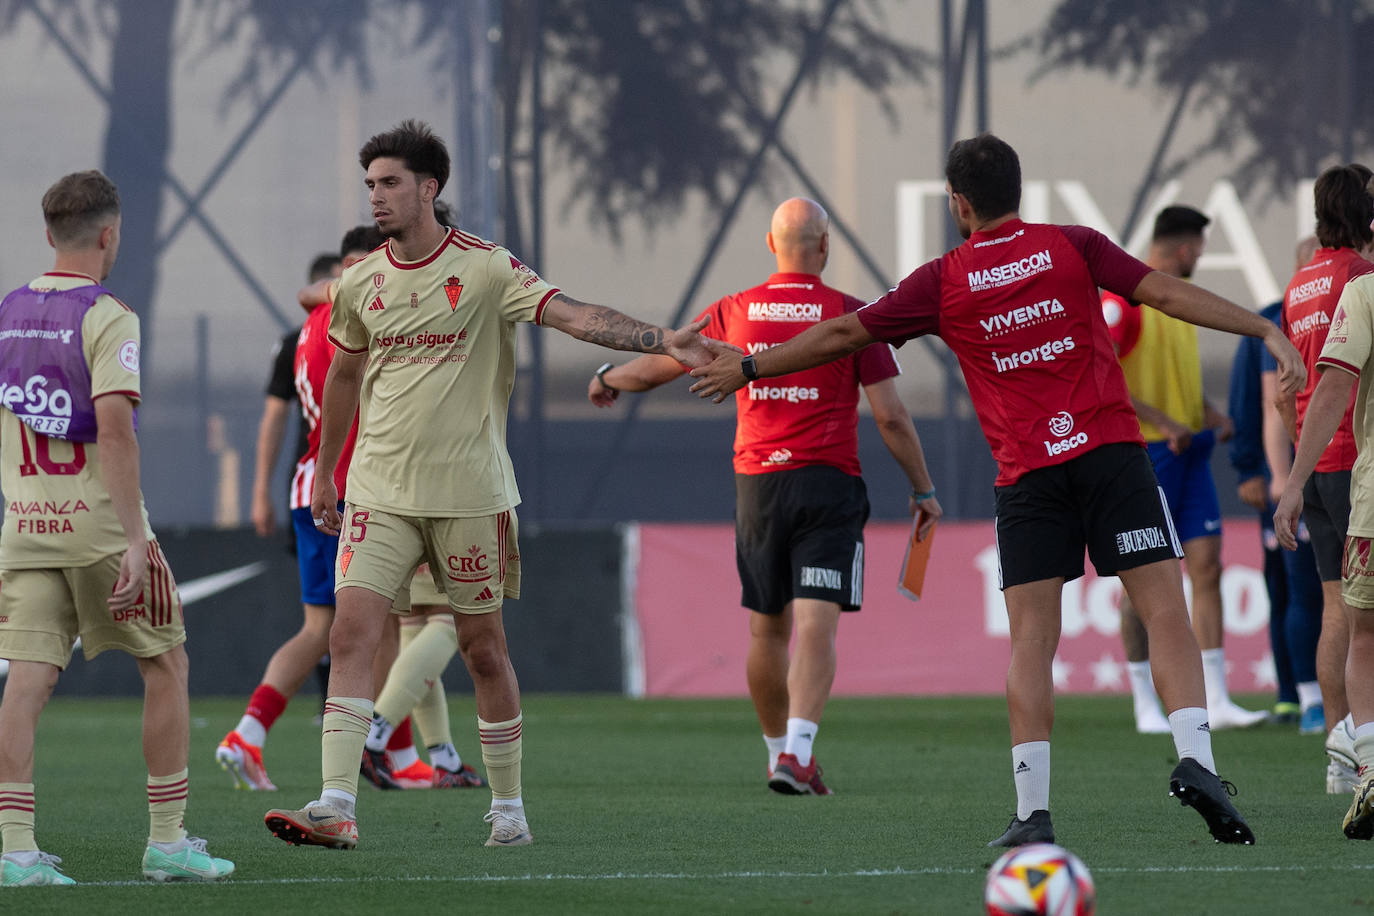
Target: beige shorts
x: 1357, y: 572
x: 42, y: 611
x: 478, y: 559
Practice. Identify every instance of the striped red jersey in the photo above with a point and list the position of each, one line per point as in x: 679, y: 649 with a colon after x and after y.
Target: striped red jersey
x: 313, y: 355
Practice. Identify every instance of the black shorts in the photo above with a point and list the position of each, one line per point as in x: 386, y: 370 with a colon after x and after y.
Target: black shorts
x: 1106, y: 500
x: 800, y: 534
x: 1326, y: 509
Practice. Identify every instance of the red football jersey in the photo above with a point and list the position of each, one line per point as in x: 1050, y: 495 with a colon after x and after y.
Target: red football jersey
x: 313, y: 355
x: 809, y: 417
x: 1019, y: 307
x: 1308, y: 304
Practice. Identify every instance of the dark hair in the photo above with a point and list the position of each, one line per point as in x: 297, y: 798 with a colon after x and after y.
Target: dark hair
x: 1179, y: 222
x: 361, y: 238
x: 78, y: 205
x: 323, y: 265
x: 414, y: 143
x: 987, y: 172
x: 443, y: 212
x: 1344, y: 206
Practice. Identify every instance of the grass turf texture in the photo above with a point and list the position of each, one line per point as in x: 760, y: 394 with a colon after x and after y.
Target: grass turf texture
x: 660, y: 806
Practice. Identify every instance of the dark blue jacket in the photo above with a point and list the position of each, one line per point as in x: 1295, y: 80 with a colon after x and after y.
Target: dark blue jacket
x: 1247, y: 446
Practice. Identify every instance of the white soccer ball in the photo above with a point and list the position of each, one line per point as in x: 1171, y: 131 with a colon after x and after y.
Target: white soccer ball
x: 1039, y: 879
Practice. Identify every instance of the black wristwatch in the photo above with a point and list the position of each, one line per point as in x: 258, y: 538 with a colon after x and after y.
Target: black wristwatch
x: 601, y: 376
x: 747, y: 366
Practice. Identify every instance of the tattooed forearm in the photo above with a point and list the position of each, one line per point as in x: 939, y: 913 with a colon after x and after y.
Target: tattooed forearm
x: 605, y: 326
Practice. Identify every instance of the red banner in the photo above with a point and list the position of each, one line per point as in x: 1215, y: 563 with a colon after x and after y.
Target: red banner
x: 694, y: 634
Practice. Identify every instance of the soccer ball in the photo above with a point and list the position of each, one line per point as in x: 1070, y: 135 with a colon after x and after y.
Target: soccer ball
x: 1040, y: 879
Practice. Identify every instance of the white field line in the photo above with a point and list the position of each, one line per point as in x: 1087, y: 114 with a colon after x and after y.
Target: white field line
x: 750, y: 875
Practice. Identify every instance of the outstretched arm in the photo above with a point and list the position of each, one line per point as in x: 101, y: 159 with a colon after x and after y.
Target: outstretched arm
x: 600, y: 324
x: 821, y: 343
x: 642, y: 373
x: 899, y: 434
x: 1195, y: 305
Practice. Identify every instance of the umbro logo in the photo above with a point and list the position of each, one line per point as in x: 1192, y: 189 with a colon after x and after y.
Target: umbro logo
x: 376, y: 305
x: 1023, y: 767
x: 484, y: 595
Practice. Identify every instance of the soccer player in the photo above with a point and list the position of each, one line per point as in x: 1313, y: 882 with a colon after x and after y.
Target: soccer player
x: 1017, y: 303
x: 1180, y: 426
x: 425, y: 329
x: 800, y: 502
x: 1347, y: 358
x: 1343, y: 209
x: 240, y: 753
x: 77, y: 557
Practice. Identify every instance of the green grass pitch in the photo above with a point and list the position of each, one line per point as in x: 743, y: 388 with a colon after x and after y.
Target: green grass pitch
x: 660, y: 806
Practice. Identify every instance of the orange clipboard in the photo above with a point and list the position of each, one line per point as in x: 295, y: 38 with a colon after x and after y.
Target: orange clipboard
x: 914, y: 564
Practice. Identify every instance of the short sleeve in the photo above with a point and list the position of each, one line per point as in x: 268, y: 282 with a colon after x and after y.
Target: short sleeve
x: 112, y: 341
x: 282, y: 383
x: 521, y: 292
x: 1111, y: 267
x: 910, y: 309
x: 1351, y: 336
x: 346, y: 328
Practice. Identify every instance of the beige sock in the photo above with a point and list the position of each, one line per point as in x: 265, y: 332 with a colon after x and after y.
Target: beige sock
x: 167, y: 807
x: 346, y: 723
x: 502, y: 750
x: 16, y: 817
x: 425, y: 653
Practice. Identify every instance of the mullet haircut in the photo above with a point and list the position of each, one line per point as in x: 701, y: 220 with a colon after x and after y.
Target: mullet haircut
x: 414, y: 143
x: 986, y: 171
x: 1344, y: 206
x: 78, y: 206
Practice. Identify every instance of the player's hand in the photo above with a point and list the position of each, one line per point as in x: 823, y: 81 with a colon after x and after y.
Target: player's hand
x: 1178, y: 437
x: 1286, y: 517
x: 720, y: 378
x: 1292, y: 375
x: 599, y: 394
x: 264, y: 516
x: 1254, y: 492
x: 133, y: 576
x: 1225, y: 428
x: 930, y: 514
x: 324, y: 505
x: 691, y: 348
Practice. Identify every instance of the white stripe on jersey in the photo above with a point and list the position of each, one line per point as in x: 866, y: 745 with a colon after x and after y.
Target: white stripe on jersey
x: 302, y: 482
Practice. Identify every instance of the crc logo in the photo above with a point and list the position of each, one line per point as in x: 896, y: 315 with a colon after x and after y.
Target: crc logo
x: 1061, y: 424
x: 471, y: 567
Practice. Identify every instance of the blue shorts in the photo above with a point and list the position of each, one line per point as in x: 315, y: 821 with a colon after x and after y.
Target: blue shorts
x: 315, y: 552
x: 1188, y: 486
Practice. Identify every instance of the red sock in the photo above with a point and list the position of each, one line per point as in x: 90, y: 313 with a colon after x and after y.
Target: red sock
x: 401, y: 738
x: 265, y: 705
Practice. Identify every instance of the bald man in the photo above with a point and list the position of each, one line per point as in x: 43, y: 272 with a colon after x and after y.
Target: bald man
x: 800, y: 502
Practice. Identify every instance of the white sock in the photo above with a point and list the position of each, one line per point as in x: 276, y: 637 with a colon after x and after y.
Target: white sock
x: 775, y: 747
x: 446, y: 756
x: 379, y: 734
x: 1192, y: 735
x: 1030, y: 770
x: 1214, y: 676
x: 1309, y: 695
x: 344, y: 801
x: 509, y: 804
x: 1142, y: 687
x: 251, y: 731
x: 1364, y: 746
x: 404, y: 758
x: 801, y: 734
x: 22, y: 857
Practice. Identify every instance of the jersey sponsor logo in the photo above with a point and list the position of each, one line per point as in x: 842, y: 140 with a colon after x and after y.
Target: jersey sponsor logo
x: 785, y: 311
x: 1025, y: 316
x: 820, y: 577
x: 453, y: 288
x: 1002, y: 241
x: 1306, y: 323
x: 1011, y: 272
x: 1140, y: 539
x: 42, y: 411
x: 376, y: 305
x: 1046, y: 352
x: 792, y: 394
x: 791, y: 286
x: 128, y: 355
x: 519, y: 268
x: 45, y: 526
x: 378, y: 279
x: 471, y: 567
x: 424, y: 339
x: 61, y: 334
x: 1319, y: 286
x: 47, y: 507
x: 1061, y: 424
x: 1337, y: 332
x: 778, y: 456
x: 757, y: 347
x: 1068, y: 444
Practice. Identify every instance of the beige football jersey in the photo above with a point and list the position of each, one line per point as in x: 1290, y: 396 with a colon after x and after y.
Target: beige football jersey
x: 1350, y: 346
x: 440, y: 337
x: 57, y: 510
